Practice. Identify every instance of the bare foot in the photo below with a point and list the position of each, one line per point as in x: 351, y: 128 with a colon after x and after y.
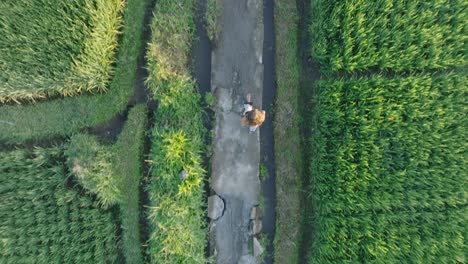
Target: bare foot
x: 248, y: 97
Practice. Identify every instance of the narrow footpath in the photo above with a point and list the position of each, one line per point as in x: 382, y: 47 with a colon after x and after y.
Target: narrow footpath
x: 237, y: 69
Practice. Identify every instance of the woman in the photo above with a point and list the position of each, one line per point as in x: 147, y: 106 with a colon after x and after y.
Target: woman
x: 252, y: 117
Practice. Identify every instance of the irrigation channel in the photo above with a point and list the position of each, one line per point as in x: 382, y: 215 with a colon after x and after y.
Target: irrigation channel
x: 308, y: 75
x: 266, y: 136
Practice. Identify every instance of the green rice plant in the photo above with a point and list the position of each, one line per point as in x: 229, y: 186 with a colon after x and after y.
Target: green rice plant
x: 113, y: 174
x: 400, y: 237
x: 389, y: 144
x: 45, y: 221
x: 58, y: 118
x: 91, y: 164
x: 389, y: 35
x: 389, y: 155
x: 176, y: 212
x: 55, y: 47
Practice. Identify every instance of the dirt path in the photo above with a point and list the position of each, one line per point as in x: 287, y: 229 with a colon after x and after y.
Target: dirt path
x: 237, y: 69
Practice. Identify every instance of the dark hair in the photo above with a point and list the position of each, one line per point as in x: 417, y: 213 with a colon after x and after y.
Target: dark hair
x: 251, y: 116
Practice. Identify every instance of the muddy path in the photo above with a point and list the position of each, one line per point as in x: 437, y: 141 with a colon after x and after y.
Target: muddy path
x: 239, y: 66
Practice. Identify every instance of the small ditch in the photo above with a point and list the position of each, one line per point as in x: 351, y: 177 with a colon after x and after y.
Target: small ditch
x: 309, y: 74
x: 201, y: 67
x: 266, y: 136
x: 143, y: 95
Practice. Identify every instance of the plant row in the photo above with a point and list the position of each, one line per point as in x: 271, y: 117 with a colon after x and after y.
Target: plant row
x: 176, y: 212
x: 45, y: 221
x: 389, y: 35
x: 52, y: 47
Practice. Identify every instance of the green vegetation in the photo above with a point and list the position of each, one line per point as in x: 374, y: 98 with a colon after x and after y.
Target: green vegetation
x: 52, y: 47
x: 127, y: 161
x: 399, y: 237
x: 64, y: 200
x: 210, y: 99
x: 389, y: 35
x: 288, y: 160
x: 263, y: 172
x: 387, y: 179
x: 66, y: 116
x: 176, y: 212
x: 388, y: 170
x: 214, y: 11
x: 43, y: 220
x: 91, y: 164
x: 113, y: 174
x: 389, y: 144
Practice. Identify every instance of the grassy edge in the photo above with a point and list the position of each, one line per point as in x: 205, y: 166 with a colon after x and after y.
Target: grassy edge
x: 287, y: 133
x: 214, y: 11
x: 177, y: 207
x: 127, y: 164
x: 62, y: 117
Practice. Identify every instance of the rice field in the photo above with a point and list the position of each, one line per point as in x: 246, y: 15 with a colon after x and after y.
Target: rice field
x: 43, y: 219
x: 64, y: 116
x: 398, y: 237
x: 388, y: 180
x: 390, y: 144
x: 80, y: 202
x: 51, y: 47
x: 389, y: 35
x: 388, y: 170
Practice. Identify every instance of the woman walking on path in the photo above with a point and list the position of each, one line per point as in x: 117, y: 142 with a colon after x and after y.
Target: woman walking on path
x: 251, y: 116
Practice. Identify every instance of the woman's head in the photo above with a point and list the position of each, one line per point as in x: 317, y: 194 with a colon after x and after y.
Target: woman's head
x: 255, y: 117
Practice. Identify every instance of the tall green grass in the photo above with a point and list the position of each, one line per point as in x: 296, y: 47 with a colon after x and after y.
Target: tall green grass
x: 127, y: 161
x: 389, y: 35
x: 51, y: 47
x: 176, y: 211
x: 66, y: 116
x: 388, y: 170
x: 113, y: 174
x: 44, y: 221
x: 399, y: 237
x: 390, y: 144
x: 92, y: 165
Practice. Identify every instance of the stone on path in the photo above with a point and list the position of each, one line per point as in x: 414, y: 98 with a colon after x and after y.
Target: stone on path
x: 257, y: 247
x: 183, y: 175
x: 255, y: 213
x: 215, y: 207
x: 256, y: 226
x: 247, y: 259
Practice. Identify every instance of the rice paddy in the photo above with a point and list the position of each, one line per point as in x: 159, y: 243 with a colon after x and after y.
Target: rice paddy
x: 51, y: 47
